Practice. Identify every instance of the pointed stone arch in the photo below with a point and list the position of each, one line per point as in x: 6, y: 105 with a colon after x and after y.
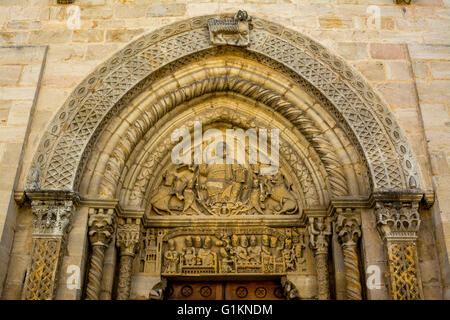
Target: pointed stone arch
x: 69, y: 149
x: 65, y: 146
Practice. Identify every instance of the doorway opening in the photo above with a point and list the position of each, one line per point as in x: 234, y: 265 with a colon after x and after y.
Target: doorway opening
x: 225, y: 290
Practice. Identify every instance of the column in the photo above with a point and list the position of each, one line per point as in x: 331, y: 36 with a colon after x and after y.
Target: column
x: 319, y: 230
x: 348, y: 229
x: 128, y: 233
x: 101, y: 229
x: 52, y: 216
x: 398, y: 223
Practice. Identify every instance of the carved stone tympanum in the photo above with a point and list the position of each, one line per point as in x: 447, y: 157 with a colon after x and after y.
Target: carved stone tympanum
x: 128, y: 233
x: 223, y: 190
x: 101, y: 229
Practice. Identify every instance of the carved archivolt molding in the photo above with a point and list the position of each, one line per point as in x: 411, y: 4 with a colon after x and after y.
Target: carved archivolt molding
x: 155, y: 162
x: 65, y: 145
x: 152, y: 113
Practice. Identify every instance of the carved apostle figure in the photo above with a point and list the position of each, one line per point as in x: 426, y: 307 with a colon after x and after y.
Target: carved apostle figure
x: 299, y: 249
x: 254, y: 251
x: 198, y: 246
x: 205, y: 255
x: 241, y: 251
x: 171, y: 258
x: 266, y: 255
x: 189, y: 252
x: 288, y: 255
x: 226, y: 254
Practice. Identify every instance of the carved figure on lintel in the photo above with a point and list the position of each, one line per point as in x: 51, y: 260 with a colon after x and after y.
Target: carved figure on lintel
x: 205, y: 255
x: 226, y: 253
x: 299, y: 249
x: 171, y: 258
x: 289, y: 255
x: 241, y: 251
x: 254, y: 251
x: 266, y: 255
x: 189, y: 256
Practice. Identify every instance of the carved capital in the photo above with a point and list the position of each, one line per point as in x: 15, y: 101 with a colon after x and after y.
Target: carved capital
x: 319, y: 229
x: 101, y: 226
x: 128, y: 233
x: 51, y: 217
x: 348, y: 229
x: 398, y: 220
x: 347, y: 226
x: 398, y: 223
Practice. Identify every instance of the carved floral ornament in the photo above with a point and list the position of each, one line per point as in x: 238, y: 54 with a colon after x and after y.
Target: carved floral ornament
x: 66, y: 144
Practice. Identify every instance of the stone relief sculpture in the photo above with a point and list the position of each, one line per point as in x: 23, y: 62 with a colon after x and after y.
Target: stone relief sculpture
x: 171, y: 258
x: 231, y: 31
x: 223, y: 190
x: 228, y: 252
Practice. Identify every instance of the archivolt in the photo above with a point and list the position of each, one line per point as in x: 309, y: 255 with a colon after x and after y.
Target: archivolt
x: 150, y: 161
x: 64, y: 147
x: 235, y: 84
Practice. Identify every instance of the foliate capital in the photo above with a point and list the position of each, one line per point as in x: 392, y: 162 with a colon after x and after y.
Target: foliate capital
x: 319, y: 229
x: 128, y: 233
x: 347, y: 226
x: 101, y: 225
x: 398, y: 220
x: 51, y: 217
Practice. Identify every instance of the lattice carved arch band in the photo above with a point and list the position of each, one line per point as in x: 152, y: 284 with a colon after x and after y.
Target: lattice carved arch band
x: 65, y: 145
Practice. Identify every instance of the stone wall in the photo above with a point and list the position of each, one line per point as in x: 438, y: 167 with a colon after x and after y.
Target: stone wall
x: 20, y: 74
x: 406, y: 58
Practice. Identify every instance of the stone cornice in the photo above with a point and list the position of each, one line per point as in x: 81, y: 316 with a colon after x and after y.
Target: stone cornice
x: 52, y: 195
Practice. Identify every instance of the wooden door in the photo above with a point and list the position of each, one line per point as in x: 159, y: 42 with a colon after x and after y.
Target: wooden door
x: 228, y: 290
